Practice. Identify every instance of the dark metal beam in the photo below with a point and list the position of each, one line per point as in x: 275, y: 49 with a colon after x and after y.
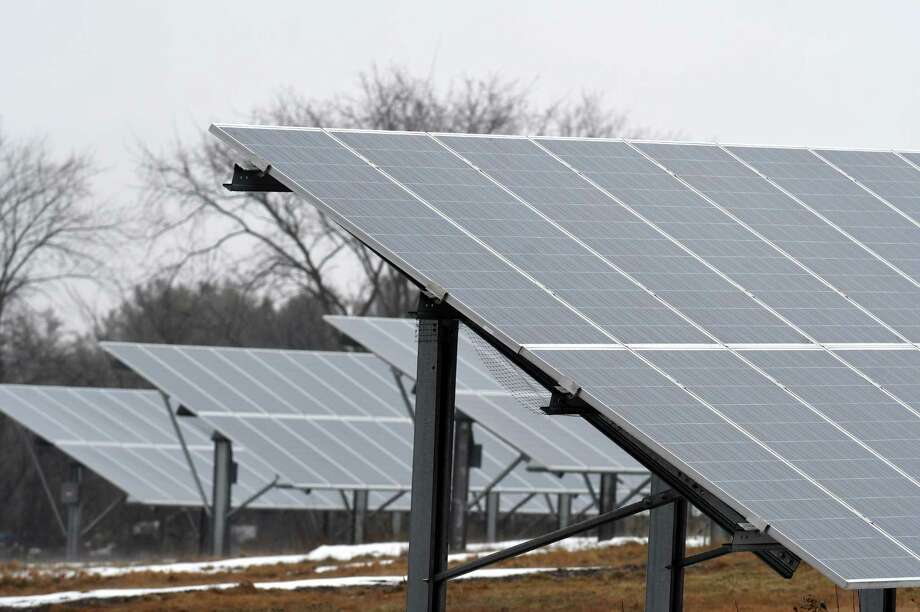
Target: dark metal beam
x: 222, y: 485
x: 30, y: 445
x: 265, y: 489
x: 653, y: 501
x: 70, y: 497
x: 432, y: 454
x: 492, y: 507
x: 667, y: 540
x: 501, y: 476
x: 359, y: 516
x: 608, y: 502
x: 460, y: 481
x: 564, y: 510
x: 99, y: 517
x: 877, y: 600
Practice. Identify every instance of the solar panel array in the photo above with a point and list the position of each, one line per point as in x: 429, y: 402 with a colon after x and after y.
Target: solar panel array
x: 126, y: 437
x: 764, y: 280
x: 323, y: 420
x: 556, y: 445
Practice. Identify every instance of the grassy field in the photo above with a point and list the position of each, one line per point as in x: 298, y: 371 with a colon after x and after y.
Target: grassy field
x: 733, y: 583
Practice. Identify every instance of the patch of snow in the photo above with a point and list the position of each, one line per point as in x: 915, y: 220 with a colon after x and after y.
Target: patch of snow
x: 328, y: 552
x: 30, y: 601
x: 322, y: 569
x: 347, y: 552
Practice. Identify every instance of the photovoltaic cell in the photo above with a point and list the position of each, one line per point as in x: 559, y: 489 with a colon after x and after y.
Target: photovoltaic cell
x: 777, y: 279
x: 676, y: 402
x: 126, y: 437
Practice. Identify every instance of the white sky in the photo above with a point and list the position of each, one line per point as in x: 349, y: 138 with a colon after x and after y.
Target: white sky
x: 98, y: 76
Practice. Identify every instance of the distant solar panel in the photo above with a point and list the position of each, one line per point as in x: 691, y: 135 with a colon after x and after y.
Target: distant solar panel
x: 695, y: 309
x: 323, y: 420
x: 126, y: 437
x: 556, y: 445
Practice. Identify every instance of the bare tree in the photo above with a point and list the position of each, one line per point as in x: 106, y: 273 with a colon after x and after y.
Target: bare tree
x: 47, y: 229
x: 296, y: 245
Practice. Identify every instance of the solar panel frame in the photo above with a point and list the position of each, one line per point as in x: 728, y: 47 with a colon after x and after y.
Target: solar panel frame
x: 535, y: 358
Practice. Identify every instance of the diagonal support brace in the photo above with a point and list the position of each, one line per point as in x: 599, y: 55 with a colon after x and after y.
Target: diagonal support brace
x: 653, y: 501
x: 742, y: 541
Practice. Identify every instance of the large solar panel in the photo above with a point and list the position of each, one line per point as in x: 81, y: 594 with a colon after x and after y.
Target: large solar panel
x: 751, y: 255
x: 556, y: 445
x: 127, y: 438
x: 323, y: 420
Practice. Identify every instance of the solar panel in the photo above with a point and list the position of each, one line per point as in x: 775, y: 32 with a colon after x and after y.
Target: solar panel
x: 556, y: 445
x: 322, y: 420
x: 891, y: 176
x: 126, y: 437
x: 802, y: 268
x: 849, y: 207
x: 430, y: 211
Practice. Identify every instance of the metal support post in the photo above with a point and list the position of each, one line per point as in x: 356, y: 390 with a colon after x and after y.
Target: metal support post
x: 396, y: 524
x: 432, y: 450
x: 877, y: 600
x: 667, y: 539
x: 224, y: 478
x: 608, y: 501
x: 359, y: 516
x: 70, y: 497
x: 492, y: 503
x: 460, y: 481
x: 564, y: 511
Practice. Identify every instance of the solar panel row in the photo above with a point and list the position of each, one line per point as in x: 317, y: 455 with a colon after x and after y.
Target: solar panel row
x: 126, y: 437
x: 558, y: 246
x: 322, y: 420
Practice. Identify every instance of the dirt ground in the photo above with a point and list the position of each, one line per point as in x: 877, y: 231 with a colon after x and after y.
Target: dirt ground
x: 735, y: 583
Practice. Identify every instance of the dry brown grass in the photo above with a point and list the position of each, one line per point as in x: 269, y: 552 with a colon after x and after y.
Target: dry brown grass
x: 734, y: 584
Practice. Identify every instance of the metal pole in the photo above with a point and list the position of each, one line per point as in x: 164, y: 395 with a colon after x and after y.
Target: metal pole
x: 70, y: 497
x: 396, y: 524
x: 30, y: 445
x: 463, y: 442
x: 431, y: 455
x: 492, y: 504
x: 653, y: 501
x: 608, y: 501
x: 667, y: 538
x: 564, y: 512
x: 220, y: 496
x: 359, y: 516
x: 877, y: 600
x: 185, y: 451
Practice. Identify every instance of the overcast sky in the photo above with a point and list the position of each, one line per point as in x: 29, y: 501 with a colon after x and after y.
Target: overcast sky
x: 99, y: 76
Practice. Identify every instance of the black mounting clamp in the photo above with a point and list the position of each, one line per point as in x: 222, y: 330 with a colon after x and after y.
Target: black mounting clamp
x: 563, y: 402
x: 254, y: 180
